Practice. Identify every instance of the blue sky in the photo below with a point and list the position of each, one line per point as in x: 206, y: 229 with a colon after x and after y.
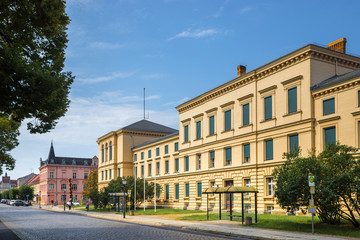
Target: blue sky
x: 176, y: 49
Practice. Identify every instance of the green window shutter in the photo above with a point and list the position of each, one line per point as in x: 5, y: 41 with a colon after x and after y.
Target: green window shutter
x: 142, y: 155
x: 268, y: 107
x: 142, y: 170
x: 247, y: 150
x: 294, y: 142
x: 157, y: 167
x: 176, y: 164
x: 135, y: 172
x: 228, y: 154
x: 167, y: 166
x: 212, y: 155
x: 199, y: 189
x: 187, y: 190
x: 150, y: 169
x: 269, y: 149
x: 330, y: 136
x: 292, y: 100
x: 149, y: 154
x: 186, y: 133
x: 166, y: 192
x: 246, y: 116
x: 176, y: 146
x: 110, y: 152
x: 166, y: 149
x: 329, y: 106
x: 198, y: 129
x: 102, y: 154
x: 135, y: 157
x: 227, y: 120
x: 186, y: 163
x: 212, y: 125
x: 157, y: 151
x: 176, y: 191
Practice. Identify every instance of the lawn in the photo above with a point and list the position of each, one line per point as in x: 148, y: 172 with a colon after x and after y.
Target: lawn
x: 165, y: 211
x: 288, y: 223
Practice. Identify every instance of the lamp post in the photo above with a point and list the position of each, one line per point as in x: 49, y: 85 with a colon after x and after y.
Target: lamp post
x: 64, y: 198
x: 124, y: 184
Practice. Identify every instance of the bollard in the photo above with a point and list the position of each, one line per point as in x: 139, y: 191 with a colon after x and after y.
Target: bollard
x: 248, y: 220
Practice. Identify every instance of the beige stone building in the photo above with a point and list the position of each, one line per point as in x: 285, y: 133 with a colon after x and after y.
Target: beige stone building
x: 236, y: 133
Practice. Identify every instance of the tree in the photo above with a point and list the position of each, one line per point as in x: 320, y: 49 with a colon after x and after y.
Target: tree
x: 25, y: 190
x: 337, y: 179
x: 5, y: 194
x: 13, y: 192
x: 91, y: 188
x: 32, y: 54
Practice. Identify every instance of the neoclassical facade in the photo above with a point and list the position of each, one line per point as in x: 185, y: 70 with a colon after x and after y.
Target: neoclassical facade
x: 236, y: 133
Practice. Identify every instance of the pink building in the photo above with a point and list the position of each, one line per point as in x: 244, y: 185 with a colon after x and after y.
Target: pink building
x: 54, y: 175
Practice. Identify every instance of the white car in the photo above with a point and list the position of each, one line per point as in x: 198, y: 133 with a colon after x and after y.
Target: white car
x: 73, y: 203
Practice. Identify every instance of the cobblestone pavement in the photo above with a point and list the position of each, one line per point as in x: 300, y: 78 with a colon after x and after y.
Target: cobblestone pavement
x: 31, y: 224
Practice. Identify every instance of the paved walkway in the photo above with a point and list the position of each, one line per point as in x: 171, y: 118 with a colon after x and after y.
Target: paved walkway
x: 223, y: 227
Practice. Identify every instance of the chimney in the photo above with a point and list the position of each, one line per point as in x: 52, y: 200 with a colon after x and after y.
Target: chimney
x: 240, y: 70
x: 338, y: 45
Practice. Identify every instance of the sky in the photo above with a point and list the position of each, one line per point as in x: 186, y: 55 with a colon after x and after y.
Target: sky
x: 176, y: 50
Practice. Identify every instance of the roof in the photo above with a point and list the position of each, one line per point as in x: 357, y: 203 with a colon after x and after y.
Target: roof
x: 34, y: 180
x: 336, y: 79
x: 147, y: 126
x: 157, y: 140
x: 231, y: 189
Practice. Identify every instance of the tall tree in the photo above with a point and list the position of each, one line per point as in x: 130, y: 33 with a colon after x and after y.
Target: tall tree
x: 91, y: 188
x: 25, y: 190
x: 32, y: 53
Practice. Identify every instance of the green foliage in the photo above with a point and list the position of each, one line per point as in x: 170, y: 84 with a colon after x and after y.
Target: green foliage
x: 13, y: 192
x: 337, y: 180
x: 5, y: 194
x: 91, y: 188
x: 26, y: 190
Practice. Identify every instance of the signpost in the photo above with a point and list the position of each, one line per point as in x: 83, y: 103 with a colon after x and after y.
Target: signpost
x: 312, y: 208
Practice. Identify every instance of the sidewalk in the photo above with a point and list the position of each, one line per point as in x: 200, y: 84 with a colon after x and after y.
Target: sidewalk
x: 223, y: 227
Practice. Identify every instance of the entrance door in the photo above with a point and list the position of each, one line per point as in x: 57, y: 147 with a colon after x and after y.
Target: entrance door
x: 228, y: 183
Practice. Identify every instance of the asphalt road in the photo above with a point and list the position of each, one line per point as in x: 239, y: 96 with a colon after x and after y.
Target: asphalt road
x: 30, y: 224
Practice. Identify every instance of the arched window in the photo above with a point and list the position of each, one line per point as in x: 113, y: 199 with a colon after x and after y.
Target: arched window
x: 110, y: 156
x: 106, y: 152
x: 102, y: 153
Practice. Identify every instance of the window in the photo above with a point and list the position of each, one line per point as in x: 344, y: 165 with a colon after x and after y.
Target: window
x: 247, y: 183
x: 328, y: 106
x: 228, y: 156
x: 186, y: 163
x: 198, y: 161
x: 199, y: 189
x: 212, y: 184
x: 63, y: 198
x: 51, y: 187
x: 102, y: 153
x: 110, y: 155
x: 106, y: 152
x: 102, y: 175
x: 270, y: 186
x: 228, y: 120
x: 142, y: 171
x: 119, y: 173
x: 135, y: 157
x: 246, y: 114
x: 187, y: 190
x: 110, y: 173
x: 186, y: 133
x: 167, y: 192
x: 136, y: 173
x: 246, y: 148
x: 86, y: 176
x: 330, y: 136
x: 74, y: 187
x: 293, y: 142
x: 63, y: 187
x: 176, y: 191
x: 157, y: 151
x: 106, y: 175
x: 176, y: 165
x: 198, y: 129
x: 51, y: 174
x: 176, y: 146
x: 166, y: 149
x: 292, y: 100
x: 149, y: 154
x: 211, y: 125
x: 142, y: 155
x: 212, y: 159
x: 269, y: 149
x: 158, y: 168
x: 167, y: 166
x: 149, y: 169
x: 74, y: 175
x: 268, y: 107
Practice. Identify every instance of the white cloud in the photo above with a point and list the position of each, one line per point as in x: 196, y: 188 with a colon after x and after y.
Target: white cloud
x: 218, y: 13
x: 195, y: 34
x: 152, y: 76
x: 106, y: 45
x: 176, y: 103
x: 245, y: 9
x: 112, y: 76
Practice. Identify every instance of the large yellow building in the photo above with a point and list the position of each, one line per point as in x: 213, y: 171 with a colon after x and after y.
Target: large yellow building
x: 236, y: 133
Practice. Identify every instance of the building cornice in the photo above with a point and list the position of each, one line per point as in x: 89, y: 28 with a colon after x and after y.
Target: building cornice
x: 336, y: 88
x: 308, y: 52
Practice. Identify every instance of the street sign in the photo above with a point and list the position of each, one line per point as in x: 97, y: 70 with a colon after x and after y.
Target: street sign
x: 17, y: 196
x: 27, y: 195
x: 312, y: 210
x: 312, y: 190
x: 129, y: 192
x: 312, y: 203
x: 311, y: 181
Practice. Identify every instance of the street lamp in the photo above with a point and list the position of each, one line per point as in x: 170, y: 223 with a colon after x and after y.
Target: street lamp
x: 124, y: 184
x: 64, y: 198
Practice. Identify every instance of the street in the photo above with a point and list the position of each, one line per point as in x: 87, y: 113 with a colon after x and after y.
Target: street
x: 31, y: 223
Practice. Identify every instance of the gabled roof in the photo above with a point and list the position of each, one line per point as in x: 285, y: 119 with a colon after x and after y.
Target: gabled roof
x: 157, y: 140
x: 34, y: 180
x: 147, y: 126
x: 336, y: 79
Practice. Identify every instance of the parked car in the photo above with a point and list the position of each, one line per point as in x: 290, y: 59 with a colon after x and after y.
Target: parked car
x: 18, y: 203
x: 3, y: 200
x: 73, y: 203
x: 11, y: 203
x: 27, y: 203
x: 8, y: 201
